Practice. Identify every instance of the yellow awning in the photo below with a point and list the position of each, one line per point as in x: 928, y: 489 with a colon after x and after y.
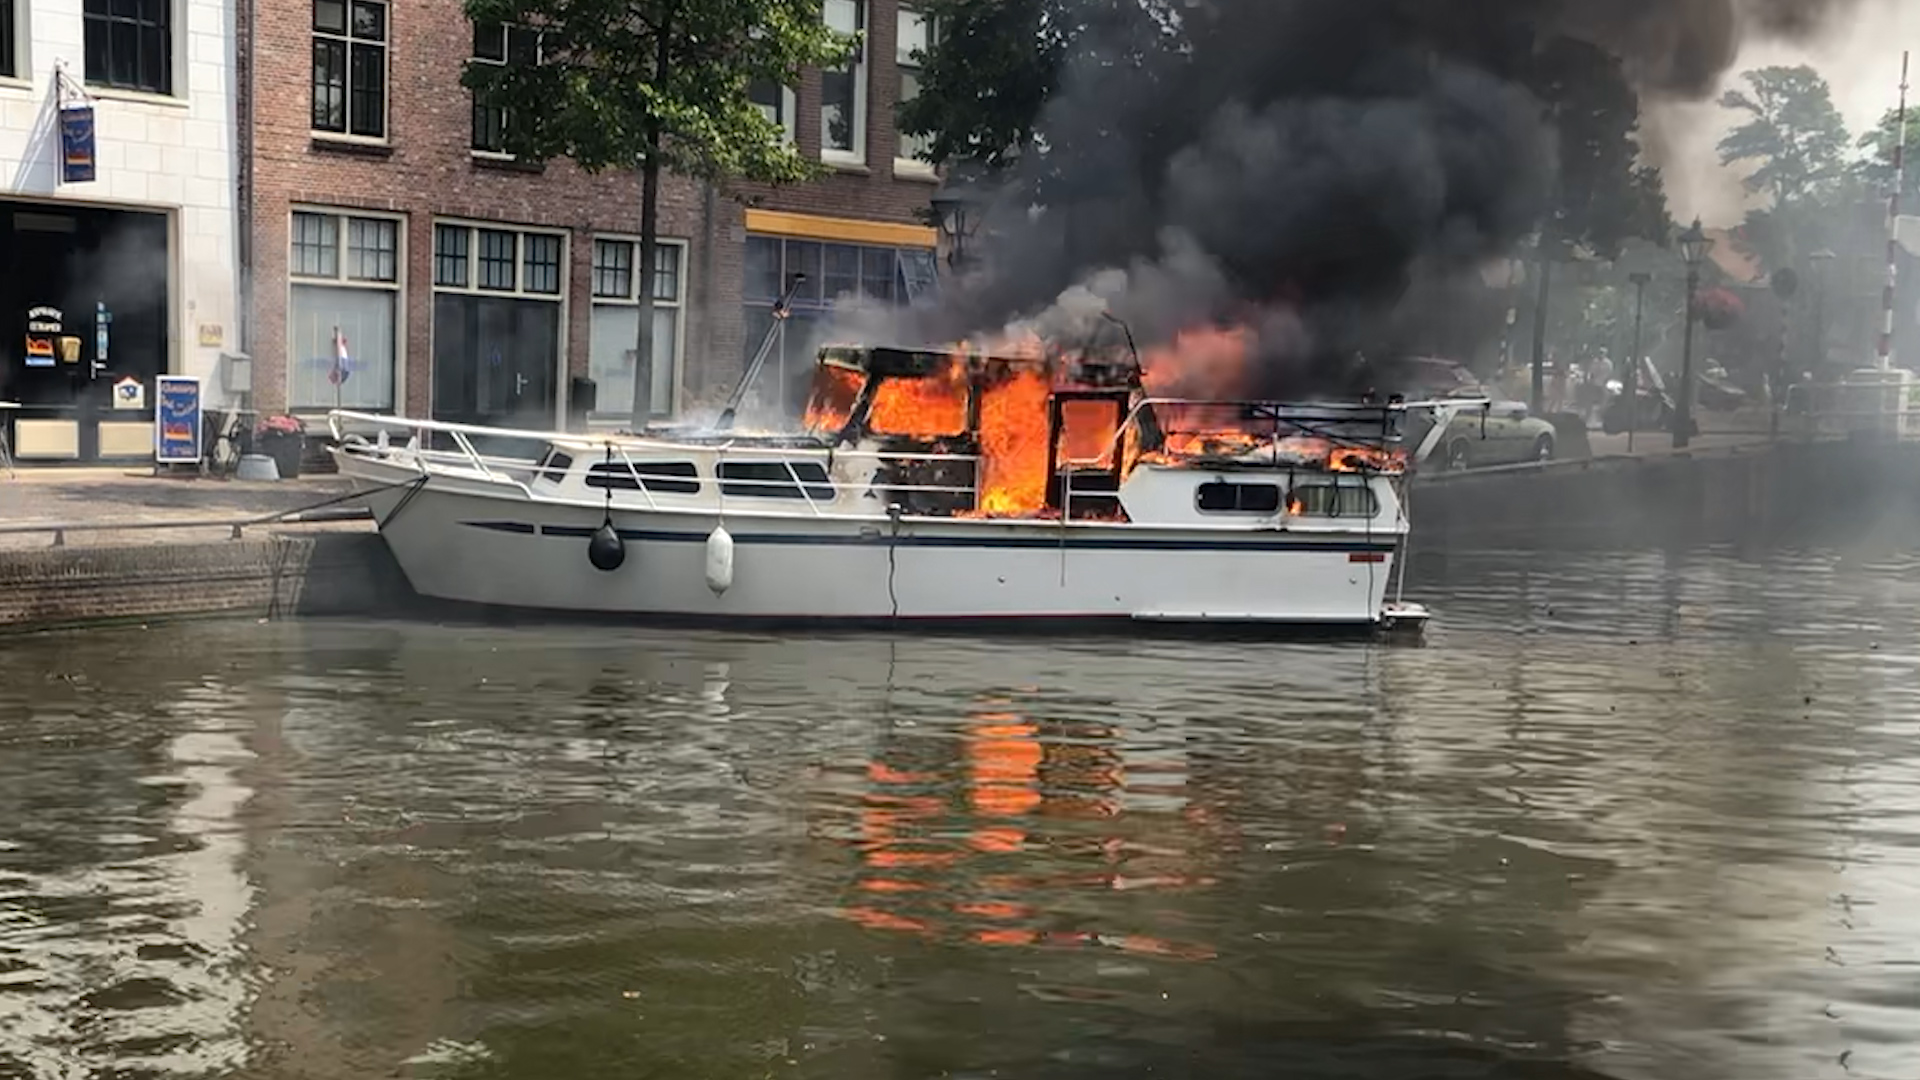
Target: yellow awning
x: 848, y: 230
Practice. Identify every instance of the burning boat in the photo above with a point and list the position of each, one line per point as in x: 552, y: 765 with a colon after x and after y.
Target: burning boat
x: 922, y: 486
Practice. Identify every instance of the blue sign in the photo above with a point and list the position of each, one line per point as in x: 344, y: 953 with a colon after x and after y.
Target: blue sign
x: 176, y: 420
x: 76, y: 145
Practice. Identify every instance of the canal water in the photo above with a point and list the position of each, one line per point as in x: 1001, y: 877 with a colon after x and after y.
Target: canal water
x: 1638, y: 815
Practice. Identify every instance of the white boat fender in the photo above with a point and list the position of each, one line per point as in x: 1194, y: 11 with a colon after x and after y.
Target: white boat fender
x: 605, y: 549
x: 719, y: 560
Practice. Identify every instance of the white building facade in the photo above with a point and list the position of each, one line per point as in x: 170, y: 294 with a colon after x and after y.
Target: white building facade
x: 117, y: 251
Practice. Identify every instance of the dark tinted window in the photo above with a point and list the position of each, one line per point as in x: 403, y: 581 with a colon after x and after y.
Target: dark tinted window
x: 771, y: 480
x: 1224, y: 498
x: 668, y: 477
x: 554, y: 467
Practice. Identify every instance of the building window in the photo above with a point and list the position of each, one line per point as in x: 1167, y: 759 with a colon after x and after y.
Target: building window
x: 342, y: 314
x: 350, y: 67
x: 616, y: 324
x: 843, y: 90
x: 129, y: 44
x: 914, y: 37
x: 477, y: 257
x: 835, y: 273
x: 775, y: 102
x: 9, y: 41
x: 499, y: 45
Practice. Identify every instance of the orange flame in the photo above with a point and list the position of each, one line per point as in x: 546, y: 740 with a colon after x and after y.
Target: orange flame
x: 1013, y: 445
x: 1087, y: 429
x: 932, y: 406
x: 835, y: 390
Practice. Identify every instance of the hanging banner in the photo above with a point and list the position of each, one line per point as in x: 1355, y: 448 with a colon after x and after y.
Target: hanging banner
x: 76, y: 145
x: 176, y: 419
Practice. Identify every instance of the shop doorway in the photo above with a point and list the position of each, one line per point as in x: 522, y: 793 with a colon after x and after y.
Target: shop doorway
x: 83, y: 307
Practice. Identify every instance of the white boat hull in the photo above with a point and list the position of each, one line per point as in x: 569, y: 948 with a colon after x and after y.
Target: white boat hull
x: 475, y: 542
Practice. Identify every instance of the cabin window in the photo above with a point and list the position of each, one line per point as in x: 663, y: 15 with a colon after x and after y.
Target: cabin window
x: 771, y: 480
x: 836, y: 390
x: 1224, y: 498
x: 555, y: 467
x: 667, y: 477
x: 1334, y: 500
x: 931, y: 406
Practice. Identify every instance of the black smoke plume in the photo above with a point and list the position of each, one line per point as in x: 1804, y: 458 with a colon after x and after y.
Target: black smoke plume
x: 1331, y: 173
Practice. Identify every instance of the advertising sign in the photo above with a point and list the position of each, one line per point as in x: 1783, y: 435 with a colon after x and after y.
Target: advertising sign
x: 44, y: 325
x: 76, y: 145
x: 129, y: 393
x: 176, y: 420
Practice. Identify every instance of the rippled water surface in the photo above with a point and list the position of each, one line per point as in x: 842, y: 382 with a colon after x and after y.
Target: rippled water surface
x: 1646, y: 815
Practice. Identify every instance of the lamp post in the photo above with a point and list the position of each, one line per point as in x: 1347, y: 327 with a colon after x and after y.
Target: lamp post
x: 1694, y: 246
x: 957, y: 212
x: 1820, y: 261
x: 1630, y: 379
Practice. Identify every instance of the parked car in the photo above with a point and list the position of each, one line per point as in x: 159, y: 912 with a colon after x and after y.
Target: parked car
x: 1504, y: 434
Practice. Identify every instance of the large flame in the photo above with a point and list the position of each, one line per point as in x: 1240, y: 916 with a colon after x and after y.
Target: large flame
x: 932, y: 406
x: 1013, y: 444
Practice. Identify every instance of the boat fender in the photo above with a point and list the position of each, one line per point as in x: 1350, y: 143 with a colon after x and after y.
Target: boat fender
x: 605, y: 549
x: 719, y: 560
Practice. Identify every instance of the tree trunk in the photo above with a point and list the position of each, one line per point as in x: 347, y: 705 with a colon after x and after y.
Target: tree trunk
x: 643, y: 272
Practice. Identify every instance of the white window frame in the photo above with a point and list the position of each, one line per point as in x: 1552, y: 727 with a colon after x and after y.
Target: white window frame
x: 398, y: 286
x: 177, y: 69
x: 506, y: 51
x: 386, y: 79
x: 862, y: 63
x: 474, y: 227
x: 632, y: 299
x: 903, y: 165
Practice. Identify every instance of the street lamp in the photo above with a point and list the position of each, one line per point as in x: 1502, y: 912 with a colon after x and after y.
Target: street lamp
x: 958, y: 212
x: 1694, y: 245
x: 1630, y: 380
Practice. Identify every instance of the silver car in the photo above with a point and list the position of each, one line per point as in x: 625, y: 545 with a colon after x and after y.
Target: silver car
x: 1503, y: 434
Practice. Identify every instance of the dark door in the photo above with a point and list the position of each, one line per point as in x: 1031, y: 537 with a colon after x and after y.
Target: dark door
x: 66, y: 275
x: 494, y: 360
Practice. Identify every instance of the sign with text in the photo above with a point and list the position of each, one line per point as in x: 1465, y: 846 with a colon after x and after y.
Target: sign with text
x: 76, y: 145
x: 176, y: 420
x: 44, y: 327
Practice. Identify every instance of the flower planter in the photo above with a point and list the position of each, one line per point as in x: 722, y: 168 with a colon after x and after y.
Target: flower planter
x: 285, y: 448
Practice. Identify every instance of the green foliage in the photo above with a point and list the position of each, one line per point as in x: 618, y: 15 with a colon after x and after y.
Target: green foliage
x: 1795, y: 138
x: 1875, y: 170
x: 1606, y: 195
x: 662, y: 83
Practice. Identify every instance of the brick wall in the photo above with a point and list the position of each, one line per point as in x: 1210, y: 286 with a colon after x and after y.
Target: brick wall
x: 317, y: 574
x: 425, y: 168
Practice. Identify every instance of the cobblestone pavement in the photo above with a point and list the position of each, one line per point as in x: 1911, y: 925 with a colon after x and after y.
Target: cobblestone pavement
x: 131, y: 496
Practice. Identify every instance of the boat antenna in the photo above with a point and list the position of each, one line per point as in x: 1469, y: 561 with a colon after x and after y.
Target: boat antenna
x: 1132, y: 349
x: 782, y: 310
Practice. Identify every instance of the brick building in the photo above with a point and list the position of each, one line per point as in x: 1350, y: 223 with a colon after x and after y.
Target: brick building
x: 460, y: 284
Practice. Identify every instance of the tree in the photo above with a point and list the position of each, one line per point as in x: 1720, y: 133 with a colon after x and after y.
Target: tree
x: 1795, y: 137
x: 1875, y: 170
x: 659, y: 86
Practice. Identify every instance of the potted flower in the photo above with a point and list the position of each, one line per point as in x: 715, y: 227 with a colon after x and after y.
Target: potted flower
x: 282, y: 438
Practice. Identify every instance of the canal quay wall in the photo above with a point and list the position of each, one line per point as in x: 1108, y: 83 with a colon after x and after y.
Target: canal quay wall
x: 118, y: 565
x: 1826, y: 491
x: 90, y: 546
